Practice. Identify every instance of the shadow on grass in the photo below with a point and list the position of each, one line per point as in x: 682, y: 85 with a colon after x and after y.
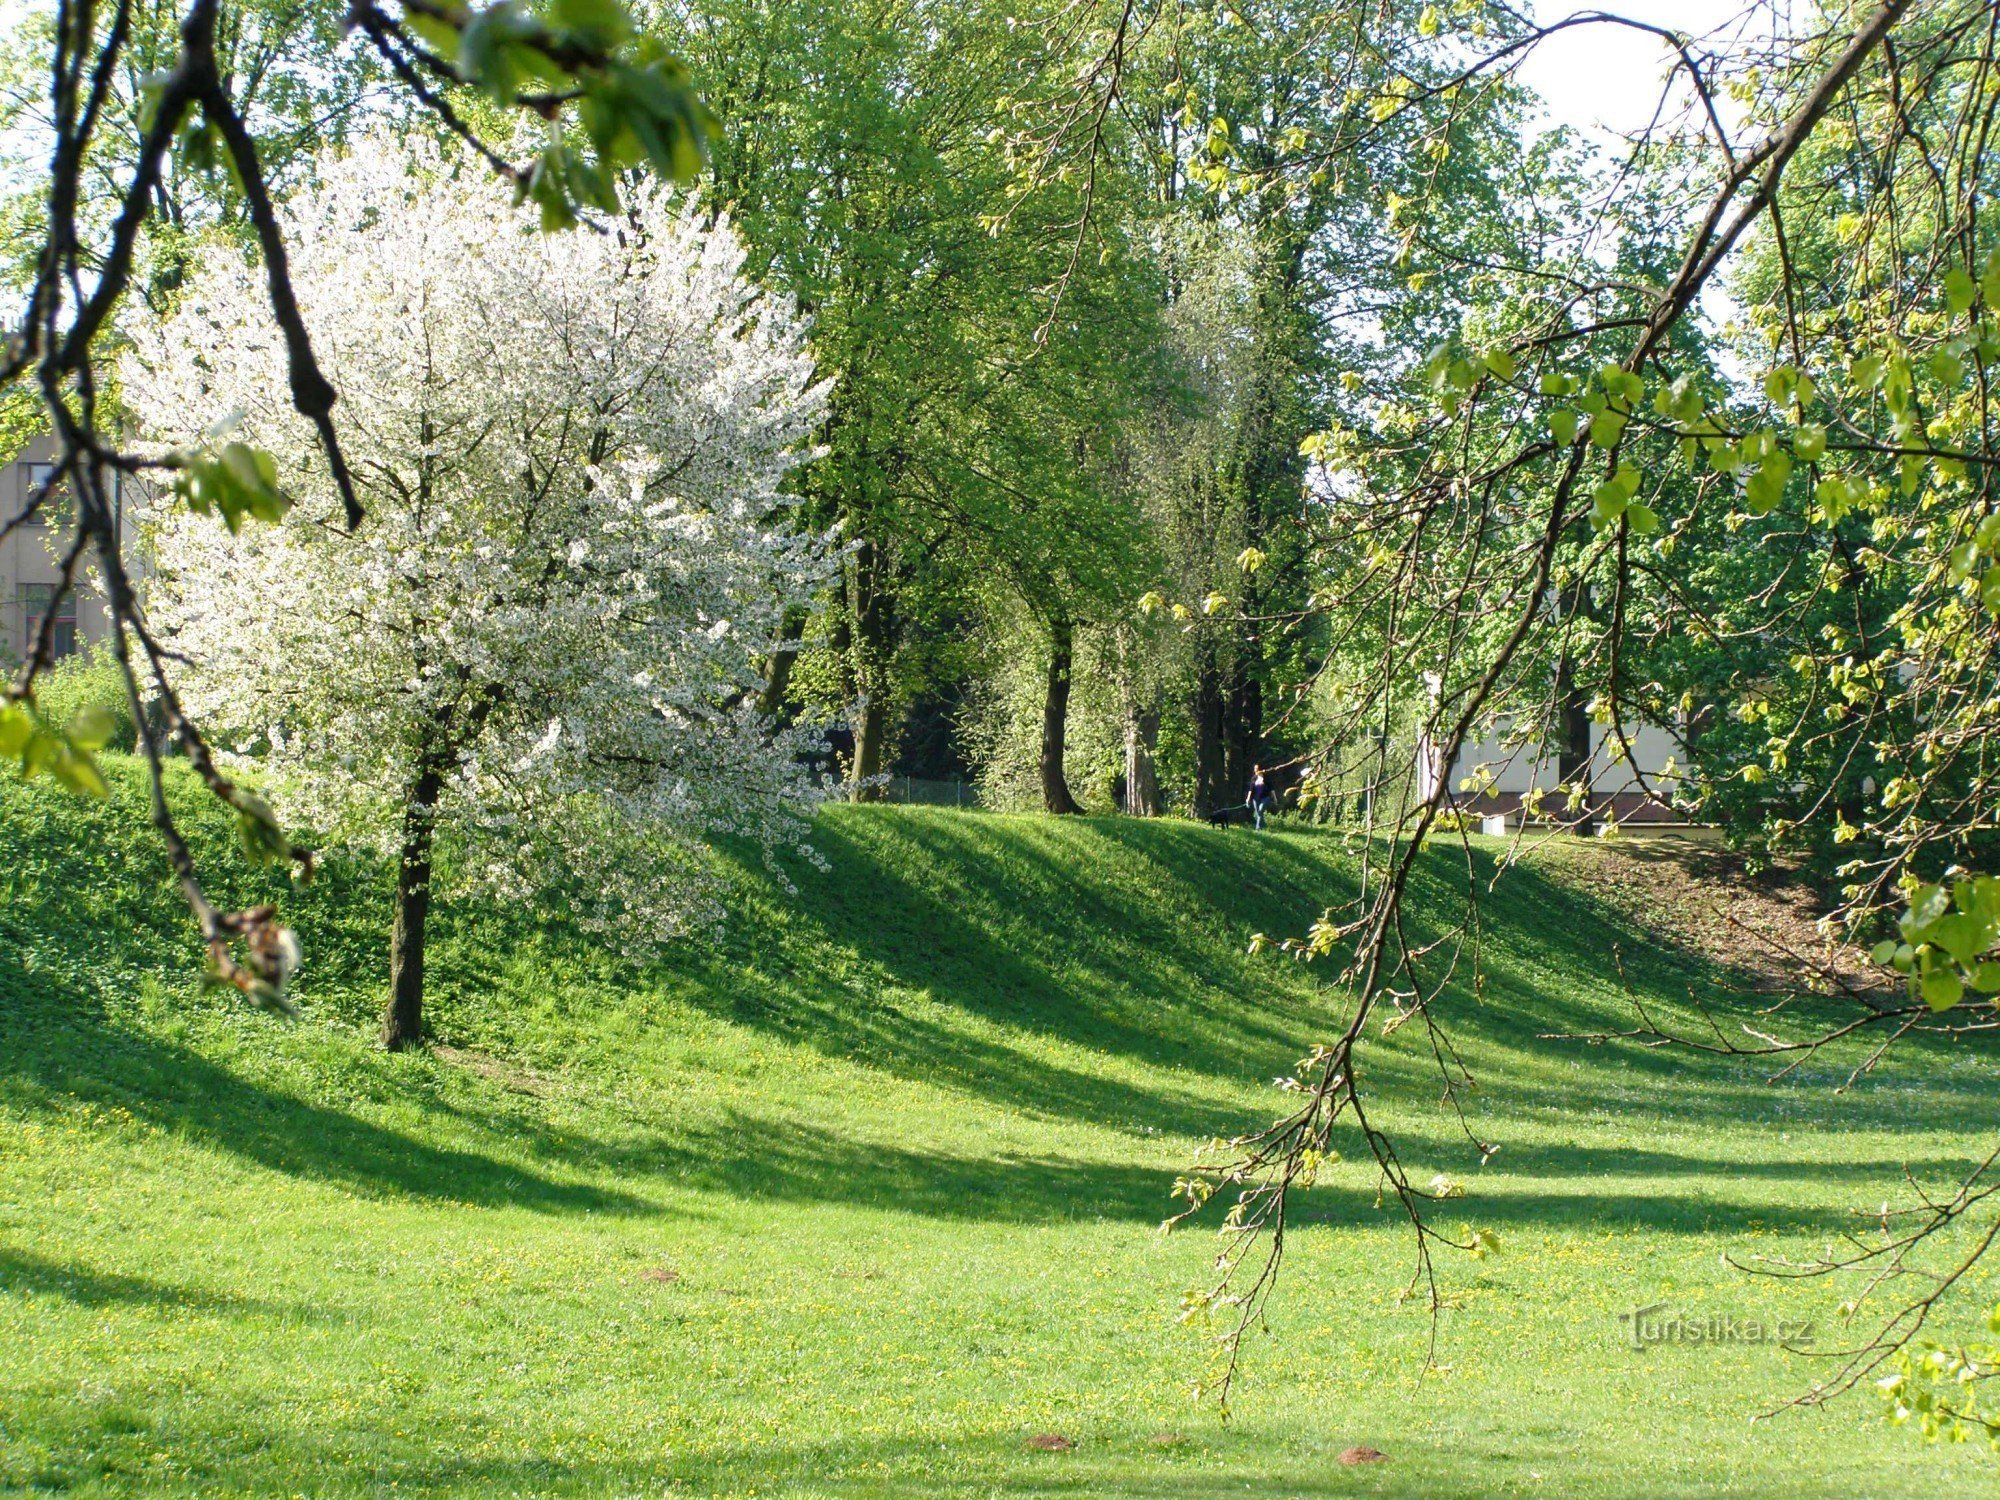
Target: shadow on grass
x: 56, y: 1047
x: 748, y: 1157
x: 993, y: 957
x: 23, y: 1272
x: 1126, y: 938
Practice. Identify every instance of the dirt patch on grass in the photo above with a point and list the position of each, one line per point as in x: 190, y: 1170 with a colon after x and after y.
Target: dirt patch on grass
x: 508, y: 1075
x: 1763, y: 926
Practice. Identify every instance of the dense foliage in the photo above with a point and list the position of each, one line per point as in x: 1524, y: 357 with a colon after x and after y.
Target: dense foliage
x: 1265, y: 364
x: 547, y: 640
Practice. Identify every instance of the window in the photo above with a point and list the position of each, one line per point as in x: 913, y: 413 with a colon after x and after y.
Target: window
x: 55, y: 509
x: 35, y: 601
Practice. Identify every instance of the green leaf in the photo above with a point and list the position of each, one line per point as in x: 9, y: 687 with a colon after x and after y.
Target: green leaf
x: 490, y: 55
x: 93, y: 728
x: 1642, y: 519
x: 240, y: 481
x: 1810, y: 443
x: 1606, y: 428
x: 603, y: 24
x: 1942, y: 989
x: 17, y: 727
x: 1959, y: 290
x: 1928, y: 903
x: 77, y: 771
x: 1766, y: 487
x: 1960, y: 935
x: 438, y: 31
x: 263, y: 838
x: 1562, y: 426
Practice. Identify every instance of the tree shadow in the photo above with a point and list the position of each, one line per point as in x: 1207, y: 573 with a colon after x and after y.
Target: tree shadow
x: 1111, y: 1457
x: 1120, y: 939
x: 23, y: 1271
x: 747, y: 1156
x: 1127, y: 938
x: 1572, y: 966
x: 57, y: 1048
x: 875, y: 961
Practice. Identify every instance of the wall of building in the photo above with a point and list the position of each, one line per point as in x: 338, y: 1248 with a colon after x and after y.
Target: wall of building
x: 1491, y: 777
x: 29, y: 566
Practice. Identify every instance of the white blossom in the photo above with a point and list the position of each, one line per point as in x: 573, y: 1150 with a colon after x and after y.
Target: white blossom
x: 572, y: 450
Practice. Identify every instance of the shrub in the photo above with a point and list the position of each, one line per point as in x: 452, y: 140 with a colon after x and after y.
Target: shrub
x: 90, y: 679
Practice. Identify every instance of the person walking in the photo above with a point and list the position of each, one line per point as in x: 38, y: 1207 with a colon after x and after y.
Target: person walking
x: 1259, y: 797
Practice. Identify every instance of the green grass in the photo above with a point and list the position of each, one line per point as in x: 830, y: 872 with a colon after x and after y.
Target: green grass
x: 893, y: 1152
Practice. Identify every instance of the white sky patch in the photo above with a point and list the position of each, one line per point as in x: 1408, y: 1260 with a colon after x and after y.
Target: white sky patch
x: 1606, y: 80
x: 1610, y: 82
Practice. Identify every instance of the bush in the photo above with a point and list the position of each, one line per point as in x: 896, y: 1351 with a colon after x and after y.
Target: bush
x: 89, y: 679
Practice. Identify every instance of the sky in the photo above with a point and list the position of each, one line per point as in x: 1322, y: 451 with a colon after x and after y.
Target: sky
x: 1603, y: 78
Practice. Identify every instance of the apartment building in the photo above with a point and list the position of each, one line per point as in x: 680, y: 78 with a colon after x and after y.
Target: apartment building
x: 28, y: 565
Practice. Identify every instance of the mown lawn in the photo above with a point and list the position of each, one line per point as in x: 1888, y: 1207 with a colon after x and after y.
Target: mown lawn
x: 865, y: 1196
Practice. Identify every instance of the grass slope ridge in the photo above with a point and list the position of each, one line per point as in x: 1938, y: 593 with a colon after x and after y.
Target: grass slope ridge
x: 861, y: 1197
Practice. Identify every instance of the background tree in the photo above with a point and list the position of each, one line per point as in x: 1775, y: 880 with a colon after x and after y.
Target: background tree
x: 609, y: 98
x: 859, y: 171
x: 1581, y: 468
x: 546, y: 642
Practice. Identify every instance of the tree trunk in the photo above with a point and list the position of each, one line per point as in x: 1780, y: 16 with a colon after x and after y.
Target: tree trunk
x: 873, y: 647
x: 778, y: 671
x: 403, y: 1019
x: 1055, y: 720
x: 869, y: 732
x: 1243, y: 733
x: 1142, y: 776
x: 1208, y: 768
x: 1573, y: 761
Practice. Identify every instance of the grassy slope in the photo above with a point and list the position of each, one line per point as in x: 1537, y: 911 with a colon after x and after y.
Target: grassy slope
x: 894, y: 1156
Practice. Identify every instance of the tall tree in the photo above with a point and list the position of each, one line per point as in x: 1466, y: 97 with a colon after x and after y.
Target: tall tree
x: 860, y: 170
x: 546, y: 643
x: 609, y: 98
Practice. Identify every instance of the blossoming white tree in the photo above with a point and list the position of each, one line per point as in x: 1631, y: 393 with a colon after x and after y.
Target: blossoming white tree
x: 545, y: 640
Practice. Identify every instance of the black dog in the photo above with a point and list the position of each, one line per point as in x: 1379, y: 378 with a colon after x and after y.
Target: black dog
x: 1220, y: 817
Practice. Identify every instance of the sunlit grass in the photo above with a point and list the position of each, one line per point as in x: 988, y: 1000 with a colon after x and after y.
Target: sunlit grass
x: 864, y: 1198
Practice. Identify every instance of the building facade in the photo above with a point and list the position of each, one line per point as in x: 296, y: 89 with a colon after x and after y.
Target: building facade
x: 30, y: 570
x: 1506, y: 786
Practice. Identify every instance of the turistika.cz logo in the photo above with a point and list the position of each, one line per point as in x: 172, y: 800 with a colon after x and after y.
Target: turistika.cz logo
x: 1661, y: 1323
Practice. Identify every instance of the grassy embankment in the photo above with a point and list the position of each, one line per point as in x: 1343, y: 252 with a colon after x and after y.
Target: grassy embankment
x: 859, y: 1201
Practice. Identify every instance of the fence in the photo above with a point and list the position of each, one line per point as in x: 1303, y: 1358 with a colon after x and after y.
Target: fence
x: 915, y: 789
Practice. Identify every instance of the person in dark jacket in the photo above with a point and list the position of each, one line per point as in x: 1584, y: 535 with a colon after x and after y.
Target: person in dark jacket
x: 1259, y: 796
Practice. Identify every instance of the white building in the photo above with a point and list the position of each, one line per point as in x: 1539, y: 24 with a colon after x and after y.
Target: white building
x: 1506, y: 785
